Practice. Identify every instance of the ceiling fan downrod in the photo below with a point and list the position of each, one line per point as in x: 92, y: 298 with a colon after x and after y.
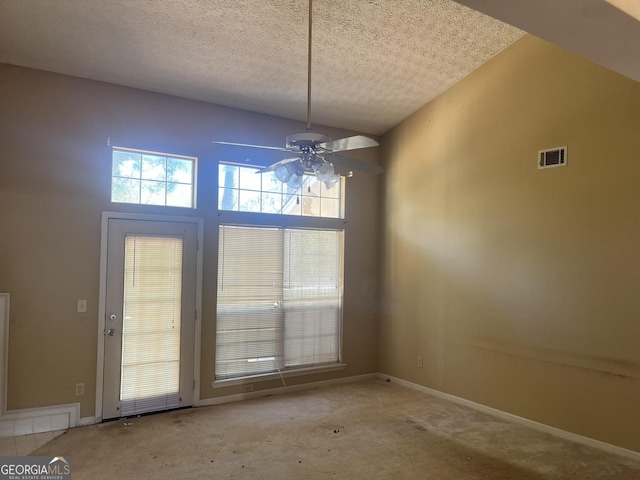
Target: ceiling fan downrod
x: 315, y: 153
x: 309, y: 67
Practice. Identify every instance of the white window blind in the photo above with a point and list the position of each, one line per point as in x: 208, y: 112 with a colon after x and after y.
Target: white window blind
x: 151, y: 324
x: 312, y: 296
x: 279, y: 299
x: 249, y: 318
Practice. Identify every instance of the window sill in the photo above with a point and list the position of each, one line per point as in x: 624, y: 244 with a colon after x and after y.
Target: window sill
x: 276, y: 376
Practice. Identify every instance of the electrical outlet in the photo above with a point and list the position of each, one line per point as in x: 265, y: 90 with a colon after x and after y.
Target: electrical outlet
x: 79, y: 389
x: 419, y: 362
x: 247, y: 388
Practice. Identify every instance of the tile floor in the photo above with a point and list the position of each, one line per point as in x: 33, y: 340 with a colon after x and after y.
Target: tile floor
x: 25, y: 444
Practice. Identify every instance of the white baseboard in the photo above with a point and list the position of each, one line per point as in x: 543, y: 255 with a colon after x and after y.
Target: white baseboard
x: 61, y: 417
x: 84, y: 421
x: 14, y: 423
x: 557, y: 432
x: 48, y: 419
x: 284, y: 389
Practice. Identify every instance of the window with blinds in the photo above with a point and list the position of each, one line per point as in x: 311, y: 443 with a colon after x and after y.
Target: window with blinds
x: 150, y: 378
x: 279, y: 299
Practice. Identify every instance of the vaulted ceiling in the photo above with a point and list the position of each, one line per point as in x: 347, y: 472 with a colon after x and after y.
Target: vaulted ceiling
x: 374, y: 62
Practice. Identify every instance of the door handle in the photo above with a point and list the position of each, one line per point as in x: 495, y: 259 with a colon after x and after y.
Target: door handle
x: 111, y: 332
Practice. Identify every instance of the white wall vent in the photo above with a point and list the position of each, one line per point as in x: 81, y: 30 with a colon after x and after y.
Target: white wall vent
x: 552, y: 157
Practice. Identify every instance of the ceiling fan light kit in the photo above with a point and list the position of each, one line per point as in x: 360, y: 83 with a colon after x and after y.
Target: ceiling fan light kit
x: 309, y: 145
x: 311, y: 148
x: 292, y: 172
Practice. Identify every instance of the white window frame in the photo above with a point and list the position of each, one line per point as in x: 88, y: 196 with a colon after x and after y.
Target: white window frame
x: 254, y: 219
x: 193, y: 184
x: 300, y: 195
x: 102, y: 295
x: 331, y: 225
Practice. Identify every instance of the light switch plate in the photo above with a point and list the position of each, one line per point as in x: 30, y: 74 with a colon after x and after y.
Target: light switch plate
x: 82, y: 306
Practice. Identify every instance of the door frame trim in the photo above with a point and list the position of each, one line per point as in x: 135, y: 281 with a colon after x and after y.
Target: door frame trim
x: 106, y: 216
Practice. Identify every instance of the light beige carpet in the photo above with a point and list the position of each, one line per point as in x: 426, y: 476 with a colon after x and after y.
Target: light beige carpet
x: 367, y: 430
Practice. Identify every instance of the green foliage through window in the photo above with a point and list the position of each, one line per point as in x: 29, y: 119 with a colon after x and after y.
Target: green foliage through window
x: 150, y: 178
x: 242, y: 189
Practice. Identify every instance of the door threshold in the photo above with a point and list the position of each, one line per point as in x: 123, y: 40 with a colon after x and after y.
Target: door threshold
x: 146, y: 414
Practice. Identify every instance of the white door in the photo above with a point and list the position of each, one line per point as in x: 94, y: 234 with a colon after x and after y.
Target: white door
x: 149, y: 334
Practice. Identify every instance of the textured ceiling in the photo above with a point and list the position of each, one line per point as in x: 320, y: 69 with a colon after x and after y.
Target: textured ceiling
x: 606, y: 32
x: 374, y: 62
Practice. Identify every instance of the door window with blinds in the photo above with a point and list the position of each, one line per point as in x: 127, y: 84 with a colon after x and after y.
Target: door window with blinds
x: 279, y: 299
x: 151, y: 324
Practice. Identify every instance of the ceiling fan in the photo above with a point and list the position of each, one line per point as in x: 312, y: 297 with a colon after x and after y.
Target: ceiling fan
x: 315, y: 153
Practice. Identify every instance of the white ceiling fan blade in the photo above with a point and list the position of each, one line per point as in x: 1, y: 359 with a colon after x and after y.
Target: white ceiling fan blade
x: 273, y: 166
x: 281, y: 149
x: 353, y: 164
x: 349, y: 143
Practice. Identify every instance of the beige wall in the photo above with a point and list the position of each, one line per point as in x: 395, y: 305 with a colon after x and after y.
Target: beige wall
x: 54, y: 184
x: 520, y: 287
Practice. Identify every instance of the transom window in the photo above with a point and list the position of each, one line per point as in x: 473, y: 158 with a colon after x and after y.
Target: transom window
x: 242, y: 189
x: 152, y: 178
